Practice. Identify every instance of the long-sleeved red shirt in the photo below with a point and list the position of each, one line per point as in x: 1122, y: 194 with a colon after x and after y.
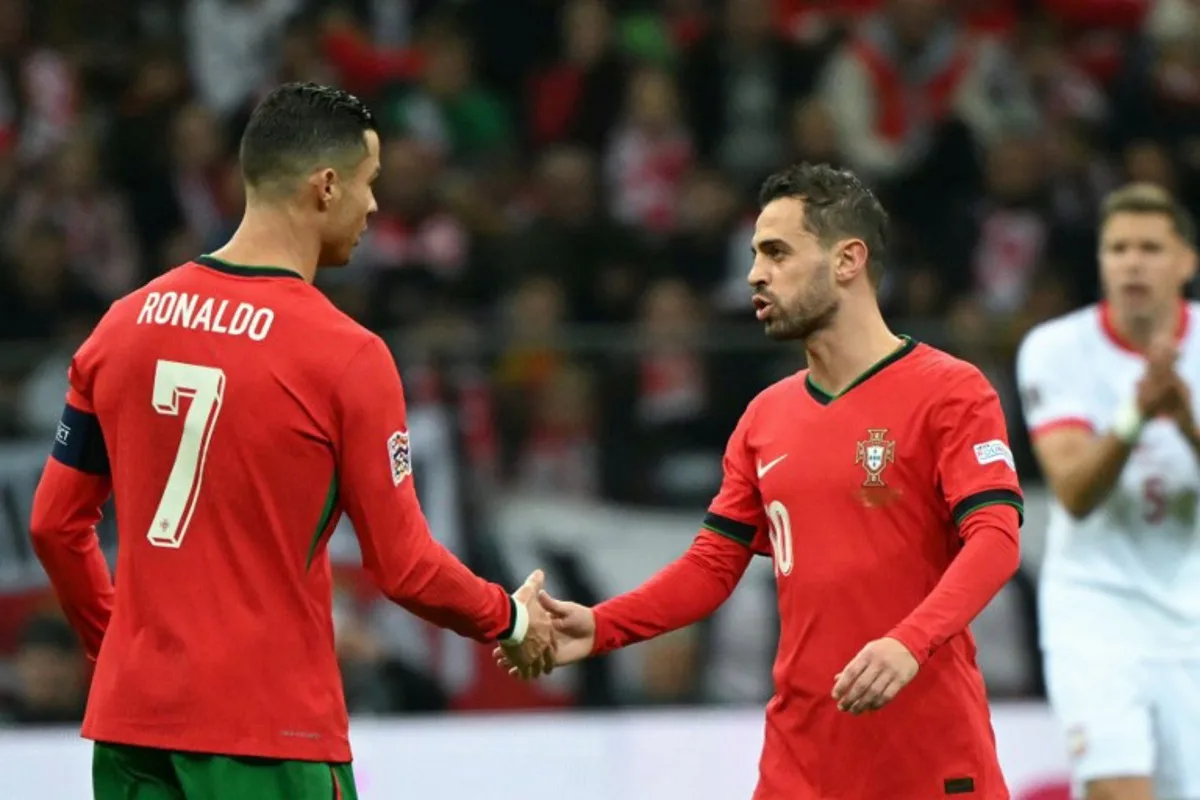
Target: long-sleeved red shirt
x: 890, y: 509
x: 692, y: 587
x: 235, y: 414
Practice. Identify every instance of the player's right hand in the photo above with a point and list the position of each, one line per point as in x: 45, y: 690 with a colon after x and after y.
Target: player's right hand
x: 535, y: 654
x: 875, y: 676
x: 575, y: 629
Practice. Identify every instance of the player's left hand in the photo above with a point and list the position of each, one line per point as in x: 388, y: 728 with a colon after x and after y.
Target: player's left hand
x: 874, y: 676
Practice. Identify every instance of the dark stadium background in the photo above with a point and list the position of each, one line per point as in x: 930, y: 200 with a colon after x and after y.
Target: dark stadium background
x: 559, y: 257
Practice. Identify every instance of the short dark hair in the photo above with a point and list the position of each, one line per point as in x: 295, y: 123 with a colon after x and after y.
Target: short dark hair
x: 297, y: 126
x: 1149, y: 198
x: 836, y: 205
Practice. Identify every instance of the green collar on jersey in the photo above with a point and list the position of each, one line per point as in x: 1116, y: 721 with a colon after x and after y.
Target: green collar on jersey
x: 825, y: 398
x: 212, y: 262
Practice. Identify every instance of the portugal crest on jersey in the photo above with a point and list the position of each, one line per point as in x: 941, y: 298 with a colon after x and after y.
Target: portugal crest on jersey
x: 875, y: 453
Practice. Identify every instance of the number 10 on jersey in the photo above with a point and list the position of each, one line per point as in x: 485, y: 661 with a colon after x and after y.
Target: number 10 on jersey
x: 779, y: 523
x: 174, y: 381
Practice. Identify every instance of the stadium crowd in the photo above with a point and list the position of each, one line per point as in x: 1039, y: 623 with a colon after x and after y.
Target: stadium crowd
x: 567, y: 195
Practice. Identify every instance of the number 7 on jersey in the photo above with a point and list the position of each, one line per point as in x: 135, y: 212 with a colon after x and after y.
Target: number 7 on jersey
x: 174, y: 380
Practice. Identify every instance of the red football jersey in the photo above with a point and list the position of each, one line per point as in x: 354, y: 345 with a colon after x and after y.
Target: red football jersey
x: 241, y: 414
x: 858, y: 499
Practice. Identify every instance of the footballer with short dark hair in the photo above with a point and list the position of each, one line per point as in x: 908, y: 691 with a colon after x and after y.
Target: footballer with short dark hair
x: 880, y: 482
x: 236, y: 415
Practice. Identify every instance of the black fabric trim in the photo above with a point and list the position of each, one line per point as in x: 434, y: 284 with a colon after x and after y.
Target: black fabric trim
x: 989, y: 497
x: 740, y: 532
x: 79, y: 442
x: 512, y: 620
x: 245, y: 271
x: 959, y: 786
x: 817, y: 393
x: 825, y: 398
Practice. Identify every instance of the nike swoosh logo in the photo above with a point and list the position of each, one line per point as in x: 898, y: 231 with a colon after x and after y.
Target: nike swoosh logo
x: 763, y: 469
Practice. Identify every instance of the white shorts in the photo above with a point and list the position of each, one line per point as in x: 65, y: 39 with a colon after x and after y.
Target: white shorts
x: 1127, y: 716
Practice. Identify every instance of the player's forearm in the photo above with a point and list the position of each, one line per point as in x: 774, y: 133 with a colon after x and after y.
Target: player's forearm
x: 684, y: 592
x: 989, y: 558
x: 66, y: 508
x: 1090, y: 477
x: 439, y: 588
x: 81, y: 583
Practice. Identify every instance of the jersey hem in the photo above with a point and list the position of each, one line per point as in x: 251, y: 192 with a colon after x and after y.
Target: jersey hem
x: 325, y: 753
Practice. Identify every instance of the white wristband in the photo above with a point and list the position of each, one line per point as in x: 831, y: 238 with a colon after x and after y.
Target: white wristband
x: 1128, y: 422
x: 520, y: 624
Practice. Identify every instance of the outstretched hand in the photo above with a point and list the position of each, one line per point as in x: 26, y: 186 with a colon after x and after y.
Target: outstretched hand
x: 574, y: 633
x: 535, y: 654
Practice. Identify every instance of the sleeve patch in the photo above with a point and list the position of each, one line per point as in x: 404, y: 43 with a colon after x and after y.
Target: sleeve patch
x: 79, y: 442
x: 399, y: 456
x: 992, y: 451
x: 730, y: 528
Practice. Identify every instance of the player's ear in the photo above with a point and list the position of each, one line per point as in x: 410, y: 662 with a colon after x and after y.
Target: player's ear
x: 324, y: 182
x: 850, y: 259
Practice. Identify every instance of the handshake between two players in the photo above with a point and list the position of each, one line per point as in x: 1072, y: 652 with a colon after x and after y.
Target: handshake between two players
x: 561, y: 632
x: 878, y: 481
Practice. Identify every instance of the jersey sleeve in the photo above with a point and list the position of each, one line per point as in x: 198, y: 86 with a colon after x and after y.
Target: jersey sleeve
x: 376, y: 491
x: 1051, y: 395
x: 990, y: 556
x: 975, y: 466
x: 684, y: 592
x: 737, y: 510
x: 73, y: 488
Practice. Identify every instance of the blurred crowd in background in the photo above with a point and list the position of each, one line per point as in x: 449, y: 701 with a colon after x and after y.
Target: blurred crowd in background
x: 565, y: 209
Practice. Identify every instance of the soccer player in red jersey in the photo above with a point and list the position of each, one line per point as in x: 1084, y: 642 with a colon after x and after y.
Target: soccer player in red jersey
x: 881, y: 482
x: 235, y: 414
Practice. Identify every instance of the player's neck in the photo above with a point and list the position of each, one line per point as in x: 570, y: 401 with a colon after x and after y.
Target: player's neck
x: 850, y: 346
x: 271, y: 237
x: 1136, y: 333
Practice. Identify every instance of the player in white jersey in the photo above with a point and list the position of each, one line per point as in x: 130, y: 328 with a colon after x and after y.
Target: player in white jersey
x: 1106, y: 394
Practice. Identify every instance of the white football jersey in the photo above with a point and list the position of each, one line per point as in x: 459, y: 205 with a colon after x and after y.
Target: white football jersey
x: 1128, y: 574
